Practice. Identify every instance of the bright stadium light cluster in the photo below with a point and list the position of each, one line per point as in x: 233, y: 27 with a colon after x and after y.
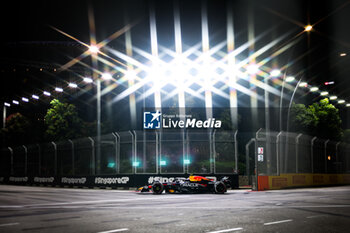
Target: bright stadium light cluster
x: 202, y: 70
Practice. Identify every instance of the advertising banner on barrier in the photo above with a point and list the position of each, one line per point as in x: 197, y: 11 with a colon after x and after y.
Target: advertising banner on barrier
x: 113, y: 181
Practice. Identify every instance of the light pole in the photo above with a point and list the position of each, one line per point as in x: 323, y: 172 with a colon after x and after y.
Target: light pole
x: 4, y: 114
x: 285, y: 79
x: 291, y: 101
x: 4, y: 117
x: 94, y: 52
x: 289, y: 107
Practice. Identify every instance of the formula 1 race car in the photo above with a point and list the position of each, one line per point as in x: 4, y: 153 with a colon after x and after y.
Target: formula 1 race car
x: 193, y: 184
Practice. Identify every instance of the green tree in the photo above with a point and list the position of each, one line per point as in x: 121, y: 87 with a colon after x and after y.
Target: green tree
x: 302, y: 119
x: 320, y: 119
x: 328, y: 120
x: 63, y: 122
x: 18, y: 130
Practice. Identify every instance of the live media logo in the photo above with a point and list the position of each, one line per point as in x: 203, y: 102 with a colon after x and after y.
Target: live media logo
x: 152, y: 120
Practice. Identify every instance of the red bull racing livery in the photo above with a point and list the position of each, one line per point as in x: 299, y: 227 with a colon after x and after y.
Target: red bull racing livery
x: 193, y: 184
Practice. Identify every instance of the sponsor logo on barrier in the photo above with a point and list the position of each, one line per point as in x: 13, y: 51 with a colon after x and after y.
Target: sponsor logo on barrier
x: 117, y: 180
x: 279, y: 182
x: 18, y: 179
x: 73, y: 180
x: 44, y: 179
x: 299, y: 180
x: 317, y: 179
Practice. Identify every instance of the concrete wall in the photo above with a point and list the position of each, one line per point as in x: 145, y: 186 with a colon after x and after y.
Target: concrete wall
x: 301, y: 180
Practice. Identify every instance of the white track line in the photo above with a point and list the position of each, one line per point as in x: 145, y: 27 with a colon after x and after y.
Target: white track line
x: 94, y: 202
x: 9, y: 224
x: 109, y: 203
x: 277, y: 222
x: 116, y: 230
x: 316, y: 216
x: 227, y: 230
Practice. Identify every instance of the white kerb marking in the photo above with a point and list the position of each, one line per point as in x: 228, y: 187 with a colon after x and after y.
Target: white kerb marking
x: 277, y: 222
x: 9, y: 224
x: 227, y: 230
x: 116, y: 230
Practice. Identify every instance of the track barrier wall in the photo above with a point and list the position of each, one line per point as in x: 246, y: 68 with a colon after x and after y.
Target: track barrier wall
x: 301, y: 180
x: 103, y: 181
x: 285, y: 160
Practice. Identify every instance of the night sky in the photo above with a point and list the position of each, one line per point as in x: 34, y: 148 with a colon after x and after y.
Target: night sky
x: 30, y: 43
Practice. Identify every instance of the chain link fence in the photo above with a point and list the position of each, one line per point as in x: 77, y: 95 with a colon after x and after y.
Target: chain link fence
x: 275, y: 153
x: 129, y: 152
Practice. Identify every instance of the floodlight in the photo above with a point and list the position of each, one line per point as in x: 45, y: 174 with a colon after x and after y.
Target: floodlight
x: 130, y: 74
x: 275, y: 73
x: 7, y: 104
x: 46, y: 93
x: 72, y: 85
x: 324, y: 93
x: 88, y: 80
x: 93, y: 49
x: 313, y: 89
x: 106, y: 76
x: 35, y: 97
x: 24, y: 99
x: 253, y: 69
x: 303, y: 84
x: 290, y: 79
x: 15, y: 102
x: 308, y: 28
x: 333, y: 97
x: 341, y: 101
x: 58, y: 89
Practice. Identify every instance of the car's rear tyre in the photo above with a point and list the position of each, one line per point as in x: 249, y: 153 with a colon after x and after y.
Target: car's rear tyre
x: 220, y: 187
x: 157, y: 187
